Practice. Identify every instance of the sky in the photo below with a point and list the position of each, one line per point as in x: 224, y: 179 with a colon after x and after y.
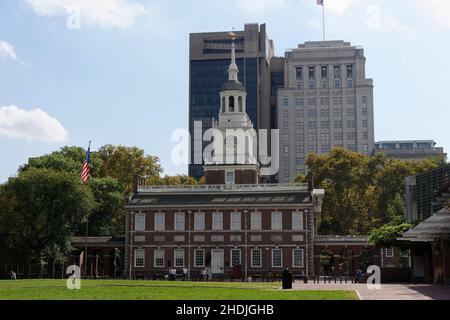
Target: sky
x: 116, y: 71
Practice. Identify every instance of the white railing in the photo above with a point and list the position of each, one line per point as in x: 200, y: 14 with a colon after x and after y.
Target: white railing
x: 224, y: 188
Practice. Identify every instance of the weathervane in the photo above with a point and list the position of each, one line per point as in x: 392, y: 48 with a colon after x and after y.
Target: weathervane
x: 232, y: 35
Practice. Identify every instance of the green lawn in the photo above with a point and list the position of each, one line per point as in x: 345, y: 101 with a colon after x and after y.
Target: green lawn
x: 158, y: 290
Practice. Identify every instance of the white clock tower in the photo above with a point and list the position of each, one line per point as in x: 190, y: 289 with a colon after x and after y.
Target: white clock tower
x: 235, y: 160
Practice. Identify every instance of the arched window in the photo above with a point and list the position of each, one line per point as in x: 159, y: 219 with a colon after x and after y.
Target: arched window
x: 240, y: 104
x: 223, y: 105
x: 231, y: 104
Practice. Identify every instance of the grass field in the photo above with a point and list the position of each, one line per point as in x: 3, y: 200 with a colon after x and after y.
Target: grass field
x: 158, y: 290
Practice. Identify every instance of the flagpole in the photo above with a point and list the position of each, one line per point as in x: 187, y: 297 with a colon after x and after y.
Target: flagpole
x: 86, y: 234
x: 323, y: 18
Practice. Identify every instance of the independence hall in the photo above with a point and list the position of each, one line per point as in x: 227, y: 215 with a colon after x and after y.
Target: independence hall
x: 230, y: 226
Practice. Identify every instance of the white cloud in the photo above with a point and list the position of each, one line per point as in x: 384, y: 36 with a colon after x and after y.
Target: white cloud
x: 7, y: 51
x: 439, y: 10
x: 105, y: 14
x: 32, y: 125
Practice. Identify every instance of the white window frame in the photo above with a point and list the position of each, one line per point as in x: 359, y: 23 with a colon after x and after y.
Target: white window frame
x: 260, y: 258
x: 256, y: 224
x: 162, y: 226
x: 274, y: 224
x: 199, y: 221
x: 175, y: 252
x: 300, y: 226
x: 217, y: 223
x: 302, y: 254
x: 139, y: 222
x: 390, y: 252
x: 195, y: 258
x: 140, y: 252
x: 229, y: 182
x: 235, y: 221
x: 281, y: 258
x: 240, y: 256
x: 179, y: 225
x: 161, y: 251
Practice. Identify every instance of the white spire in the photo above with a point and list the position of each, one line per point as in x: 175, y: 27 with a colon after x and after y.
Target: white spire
x: 233, y: 69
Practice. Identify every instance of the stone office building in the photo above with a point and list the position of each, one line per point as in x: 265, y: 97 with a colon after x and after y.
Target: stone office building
x: 326, y: 102
x: 231, y: 226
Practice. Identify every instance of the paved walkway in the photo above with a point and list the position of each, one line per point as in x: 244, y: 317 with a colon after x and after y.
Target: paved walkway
x: 387, y: 291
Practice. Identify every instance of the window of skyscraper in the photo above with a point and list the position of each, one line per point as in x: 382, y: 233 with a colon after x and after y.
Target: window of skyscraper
x: 337, y: 84
x: 350, y: 83
x: 337, y: 72
x: 324, y: 72
x: 350, y: 71
x: 312, y: 113
x: 312, y: 101
x: 351, y: 124
x: 311, y: 73
x: 299, y: 85
x: 364, y: 100
x: 299, y: 102
x: 312, y: 84
x: 324, y: 84
x: 324, y: 101
x: 299, y: 73
x: 338, y: 124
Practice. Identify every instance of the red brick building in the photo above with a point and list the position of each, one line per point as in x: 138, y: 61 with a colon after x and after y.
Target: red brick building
x: 232, y: 226
x: 234, y: 231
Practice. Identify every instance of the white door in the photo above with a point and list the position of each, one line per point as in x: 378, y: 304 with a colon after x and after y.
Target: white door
x: 217, y: 261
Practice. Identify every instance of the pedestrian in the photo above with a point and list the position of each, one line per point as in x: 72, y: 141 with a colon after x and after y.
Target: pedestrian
x: 13, y: 275
x: 287, y: 279
x: 358, y: 275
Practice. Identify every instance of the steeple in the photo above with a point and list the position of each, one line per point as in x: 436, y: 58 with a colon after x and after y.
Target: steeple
x: 233, y: 69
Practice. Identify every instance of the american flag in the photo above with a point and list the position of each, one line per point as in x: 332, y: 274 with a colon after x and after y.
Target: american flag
x: 320, y: 2
x: 85, y: 169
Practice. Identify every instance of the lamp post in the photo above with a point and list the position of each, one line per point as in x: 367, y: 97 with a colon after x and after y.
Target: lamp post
x: 245, y: 245
x: 189, y: 244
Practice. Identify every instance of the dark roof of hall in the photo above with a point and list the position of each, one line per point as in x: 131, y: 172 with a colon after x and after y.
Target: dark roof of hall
x: 220, y: 199
x: 232, y: 85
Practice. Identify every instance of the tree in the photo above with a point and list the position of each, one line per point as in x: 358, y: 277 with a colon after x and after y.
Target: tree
x: 178, y: 180
x: 386, y: 235
x: 349, y: 197
x: 39, y: 211
x: 124, y: 163
x: 361, y: 192
x: 107, y: 218
x: 67, y: 159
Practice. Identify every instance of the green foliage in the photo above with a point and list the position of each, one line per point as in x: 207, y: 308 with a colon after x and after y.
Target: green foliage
x: 46, y: 204
x: 39, y: 211
x: 124, y: 163
x: 386, y: 235
x: 361, y: 192
x: 108, y: 218
x: 177, y: 180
